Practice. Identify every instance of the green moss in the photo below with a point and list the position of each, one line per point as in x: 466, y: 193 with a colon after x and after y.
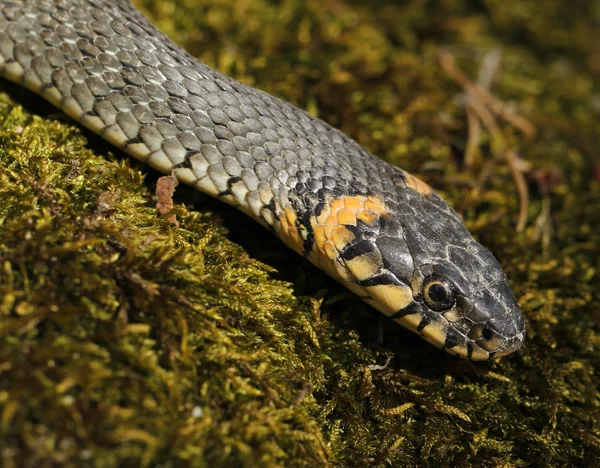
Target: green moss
x: 127, y: 340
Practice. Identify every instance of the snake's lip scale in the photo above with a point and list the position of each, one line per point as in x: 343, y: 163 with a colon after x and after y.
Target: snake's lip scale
x: 375, y: 228
x: 514, y: 344
x: 477, y: 353
x: 463, y: 336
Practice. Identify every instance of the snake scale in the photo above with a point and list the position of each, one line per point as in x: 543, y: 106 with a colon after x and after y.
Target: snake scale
x: 375, y: 228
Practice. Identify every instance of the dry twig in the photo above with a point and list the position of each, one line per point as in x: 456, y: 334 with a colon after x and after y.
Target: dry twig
x: 483, y: 108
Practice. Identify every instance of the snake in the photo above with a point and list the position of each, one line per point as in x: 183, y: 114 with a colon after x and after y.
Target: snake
x: 375, y: 228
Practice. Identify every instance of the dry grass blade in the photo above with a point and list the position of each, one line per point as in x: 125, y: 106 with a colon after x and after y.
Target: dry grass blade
x: 482, y: 107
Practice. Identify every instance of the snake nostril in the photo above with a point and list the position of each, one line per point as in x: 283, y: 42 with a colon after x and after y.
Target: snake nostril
x: 486, y: 337
x: 487, y: 333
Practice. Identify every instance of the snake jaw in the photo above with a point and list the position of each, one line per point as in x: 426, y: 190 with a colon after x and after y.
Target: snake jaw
x: 468, y: 343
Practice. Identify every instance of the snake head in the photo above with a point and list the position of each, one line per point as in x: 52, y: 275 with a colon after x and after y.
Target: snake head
x: 417, y: 263
x: 460, y: 297
x: 473, y: 312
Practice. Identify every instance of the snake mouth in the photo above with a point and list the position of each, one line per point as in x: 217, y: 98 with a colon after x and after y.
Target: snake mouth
x: 474, y: 349
x: 460, y: 335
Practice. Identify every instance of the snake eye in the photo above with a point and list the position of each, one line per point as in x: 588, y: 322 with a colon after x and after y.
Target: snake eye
x: 438, y: 293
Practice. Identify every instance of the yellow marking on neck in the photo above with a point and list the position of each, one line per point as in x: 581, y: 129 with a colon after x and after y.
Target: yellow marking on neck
x: 346, y: 217
x: 337, y: 204
x: 329, y: 225
x: 367, y: 217
x: 331, y: 235
x: 319, y: 233
x: 340, y: 236
x: 376, y: 205
x: 287, y: 230
x: 416, y: 184
x: 329, y: 250
x: 355, y: 204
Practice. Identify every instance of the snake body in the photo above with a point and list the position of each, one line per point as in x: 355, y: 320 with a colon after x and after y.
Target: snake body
x: 375, y: 228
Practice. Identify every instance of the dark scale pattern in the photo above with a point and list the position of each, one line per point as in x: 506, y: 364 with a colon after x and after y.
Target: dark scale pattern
x: 108, y: 67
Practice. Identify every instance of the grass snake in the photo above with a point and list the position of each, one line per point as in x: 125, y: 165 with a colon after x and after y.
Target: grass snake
x: 378, y: 230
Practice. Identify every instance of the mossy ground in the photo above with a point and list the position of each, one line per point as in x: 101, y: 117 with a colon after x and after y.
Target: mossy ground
x: 125, y: 340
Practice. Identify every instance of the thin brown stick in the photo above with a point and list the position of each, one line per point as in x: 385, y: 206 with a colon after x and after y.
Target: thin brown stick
x: 517, y: 173
x: 482, y: 106
x: 496, y: 105
x: 473, y: 136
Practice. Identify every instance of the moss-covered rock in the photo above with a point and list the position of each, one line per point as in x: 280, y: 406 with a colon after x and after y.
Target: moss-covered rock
x: 126, y: 339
